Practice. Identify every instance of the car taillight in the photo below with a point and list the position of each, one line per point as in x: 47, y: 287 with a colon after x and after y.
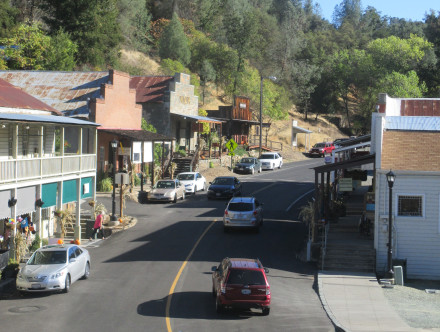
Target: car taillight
x: 226, y: 212
x: 255, y: 212
x: 268, y: 291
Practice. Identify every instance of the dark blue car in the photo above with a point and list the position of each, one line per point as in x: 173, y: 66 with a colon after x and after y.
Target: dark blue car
x: 248, y: 165
x: 224, y: 187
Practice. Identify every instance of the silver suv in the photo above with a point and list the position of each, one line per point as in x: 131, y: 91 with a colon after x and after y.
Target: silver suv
x: 243, y: 212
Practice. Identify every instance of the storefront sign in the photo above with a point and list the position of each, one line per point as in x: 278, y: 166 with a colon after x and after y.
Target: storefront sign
x: 346, y: 184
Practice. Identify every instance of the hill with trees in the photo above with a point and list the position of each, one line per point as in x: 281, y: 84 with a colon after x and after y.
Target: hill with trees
x: 329, y: 69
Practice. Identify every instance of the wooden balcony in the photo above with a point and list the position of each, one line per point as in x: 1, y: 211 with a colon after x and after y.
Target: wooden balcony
x: 45, y: 167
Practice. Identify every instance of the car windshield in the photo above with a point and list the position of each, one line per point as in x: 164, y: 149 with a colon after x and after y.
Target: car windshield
x: 246, y: 277
x: 319, y: 145
x: 240, y: 206
x: 247, y: 161
x: 267, y: 156
x: 223, y: 181
x: 48, y: 257
x: 183, y: 177
x: 165, y: 184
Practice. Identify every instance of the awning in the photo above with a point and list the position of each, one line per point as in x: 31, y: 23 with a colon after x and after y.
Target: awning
x: 26, y: 200
x: 137, y: 135
x: 198, y: 118
x: 346, y: 164
x: 45, y: 118
x: 299, y: 130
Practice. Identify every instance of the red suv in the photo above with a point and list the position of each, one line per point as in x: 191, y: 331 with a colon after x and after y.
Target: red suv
x: 241, y: 283
x: 321, y: 149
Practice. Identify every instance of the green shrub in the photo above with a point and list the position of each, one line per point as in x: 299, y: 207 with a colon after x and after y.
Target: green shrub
x: 240, y: 151
x: 35, y: 244
x: 105, y: 185
x: 211, y: 164
x: 44, y: 242
x: 137, y: 180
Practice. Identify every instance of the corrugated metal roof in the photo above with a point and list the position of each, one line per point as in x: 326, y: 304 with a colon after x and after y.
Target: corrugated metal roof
x: 67, y: 92
x: 13, y: 97
x: 297, y: 129
x: 137, y: 135
x: 150, y: 89
x: 198, y: 118
x: 413, y: 123
x: 45, y: 119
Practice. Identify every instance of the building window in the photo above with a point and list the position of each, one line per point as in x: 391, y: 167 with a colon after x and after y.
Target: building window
x: 410, y: 206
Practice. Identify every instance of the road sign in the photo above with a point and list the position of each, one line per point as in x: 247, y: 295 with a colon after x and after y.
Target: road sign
x: 231, y: 145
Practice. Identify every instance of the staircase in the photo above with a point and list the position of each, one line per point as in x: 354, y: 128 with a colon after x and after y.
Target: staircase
x: 183, y: 165
x: 347, y: 249
x: 85, y: 219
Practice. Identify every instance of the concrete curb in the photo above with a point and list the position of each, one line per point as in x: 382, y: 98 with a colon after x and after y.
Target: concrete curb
x: 339, y: 326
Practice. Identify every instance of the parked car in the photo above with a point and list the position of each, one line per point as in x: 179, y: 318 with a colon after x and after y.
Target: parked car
x: 54, y: 268
x: 242, y: 283
x: 271, y: 160
x: 321, y: 149
x: 224, y: 187
x: 338, y: 141
x: 248, y: 165
x: 167, y: 191
x: 193, y: 181
x: 243, y: 212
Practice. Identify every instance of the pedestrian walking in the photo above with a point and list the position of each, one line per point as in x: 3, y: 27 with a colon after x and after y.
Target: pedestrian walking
x: 98, y: 226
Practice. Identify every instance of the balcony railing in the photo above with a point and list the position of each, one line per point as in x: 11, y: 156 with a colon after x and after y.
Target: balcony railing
x: 39, y: 168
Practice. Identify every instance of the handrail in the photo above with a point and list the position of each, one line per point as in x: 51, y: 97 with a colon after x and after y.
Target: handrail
x: 324, y: 244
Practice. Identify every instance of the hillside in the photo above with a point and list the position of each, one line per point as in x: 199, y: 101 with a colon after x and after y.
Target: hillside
x: 280, y: 131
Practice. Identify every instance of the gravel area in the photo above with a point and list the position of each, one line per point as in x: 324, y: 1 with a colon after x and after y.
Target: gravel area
x: 417, y: 307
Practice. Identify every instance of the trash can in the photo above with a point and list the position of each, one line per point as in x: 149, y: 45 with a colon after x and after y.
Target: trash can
x: 143, y: 197
x: 402, y: 263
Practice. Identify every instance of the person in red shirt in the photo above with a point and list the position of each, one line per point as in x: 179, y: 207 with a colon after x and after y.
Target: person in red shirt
x: 98, y: 226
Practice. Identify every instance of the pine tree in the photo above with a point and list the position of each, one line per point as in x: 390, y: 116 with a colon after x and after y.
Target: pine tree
x: 174, y: 44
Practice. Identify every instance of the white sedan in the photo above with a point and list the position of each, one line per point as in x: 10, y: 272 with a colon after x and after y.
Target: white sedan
x: 271, y: 160
x: 54, y: 268
x: 193, y: 181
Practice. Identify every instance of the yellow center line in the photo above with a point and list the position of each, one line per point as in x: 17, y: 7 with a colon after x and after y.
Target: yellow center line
x: 173, y: 286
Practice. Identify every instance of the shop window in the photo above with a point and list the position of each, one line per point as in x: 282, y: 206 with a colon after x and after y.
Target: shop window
x: 410, y: 206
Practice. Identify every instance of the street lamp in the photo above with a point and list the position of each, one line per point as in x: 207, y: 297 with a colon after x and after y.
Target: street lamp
x: 390, y: 179
x: 114, y: 145
x: 272, y: 78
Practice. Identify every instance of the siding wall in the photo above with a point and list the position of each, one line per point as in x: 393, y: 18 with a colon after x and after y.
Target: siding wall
x: 416, y: 239
x: 4, y: 143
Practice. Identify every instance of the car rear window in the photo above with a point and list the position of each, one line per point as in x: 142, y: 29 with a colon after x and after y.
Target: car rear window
x: 185, y: 177
x: 319, y: 145
x: 240, y: 206
x: 48, y: 257
x: 267, y: 156
x: 223, y: 181
x: 246, y: 277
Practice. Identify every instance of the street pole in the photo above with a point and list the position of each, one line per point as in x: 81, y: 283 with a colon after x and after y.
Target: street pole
x: 390, y: 178
x: 114, y: 144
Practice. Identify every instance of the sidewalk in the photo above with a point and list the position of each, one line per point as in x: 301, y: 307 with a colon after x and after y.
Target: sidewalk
x: 354, y: 301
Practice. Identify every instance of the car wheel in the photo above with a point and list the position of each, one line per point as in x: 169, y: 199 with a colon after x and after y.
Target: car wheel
x: 86, y: 271
x: 175, y: 198
x: 218, y: 306
x: 253, y: 171
x: 279, y: 167
x: 67, y: 284
x: 266, y: 311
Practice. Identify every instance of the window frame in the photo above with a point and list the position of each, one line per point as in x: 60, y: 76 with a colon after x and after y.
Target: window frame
x: 422, y: 207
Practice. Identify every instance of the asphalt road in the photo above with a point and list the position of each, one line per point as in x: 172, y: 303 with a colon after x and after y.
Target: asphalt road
x: 156, y: 276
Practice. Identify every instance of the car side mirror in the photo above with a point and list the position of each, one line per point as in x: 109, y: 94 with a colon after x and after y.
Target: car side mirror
x: 72, y: 260
x: 266, y: 270
x: 214, y: 268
